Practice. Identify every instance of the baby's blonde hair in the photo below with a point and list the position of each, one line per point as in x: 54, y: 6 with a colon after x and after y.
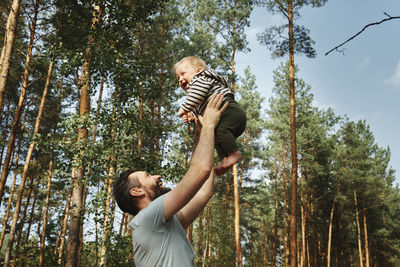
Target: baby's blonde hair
x: 196, y: 62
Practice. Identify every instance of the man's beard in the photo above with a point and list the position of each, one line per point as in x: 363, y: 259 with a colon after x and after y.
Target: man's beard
x: 157, y: 191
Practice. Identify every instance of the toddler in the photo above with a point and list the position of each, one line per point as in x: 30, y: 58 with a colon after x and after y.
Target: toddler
x: 200, y: 84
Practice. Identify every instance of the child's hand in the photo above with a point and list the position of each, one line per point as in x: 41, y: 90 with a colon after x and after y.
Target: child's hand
x: 181, y: 112
x: 188, y: 117
x: 185, y: 117
x: 192, y: 117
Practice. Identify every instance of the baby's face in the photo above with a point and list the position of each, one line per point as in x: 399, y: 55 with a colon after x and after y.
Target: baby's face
x: 185, y: 72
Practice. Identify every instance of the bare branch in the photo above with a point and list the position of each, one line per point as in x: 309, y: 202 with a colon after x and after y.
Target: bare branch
x: 363, y: 29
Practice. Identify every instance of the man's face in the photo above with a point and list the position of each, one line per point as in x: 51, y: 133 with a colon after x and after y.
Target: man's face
x: 151, y: 184
x: 185, y: 72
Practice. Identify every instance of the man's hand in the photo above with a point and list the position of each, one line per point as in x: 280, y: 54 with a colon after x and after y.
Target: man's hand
x: 213, y: 112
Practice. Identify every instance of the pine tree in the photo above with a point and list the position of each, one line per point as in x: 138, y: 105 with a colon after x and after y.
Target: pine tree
x: 299, y: 43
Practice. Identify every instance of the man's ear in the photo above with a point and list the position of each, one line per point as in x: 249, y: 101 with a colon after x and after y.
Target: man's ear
x: 199, y: 69
x: 136, y: 192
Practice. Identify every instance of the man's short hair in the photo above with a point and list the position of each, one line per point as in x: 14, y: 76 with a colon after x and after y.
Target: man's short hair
x: 121, y: 192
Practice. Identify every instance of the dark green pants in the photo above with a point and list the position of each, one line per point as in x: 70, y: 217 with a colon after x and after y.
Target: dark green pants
x: 231, y: 125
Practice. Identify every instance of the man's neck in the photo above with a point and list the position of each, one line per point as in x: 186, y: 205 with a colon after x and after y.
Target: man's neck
x: 144, y: 203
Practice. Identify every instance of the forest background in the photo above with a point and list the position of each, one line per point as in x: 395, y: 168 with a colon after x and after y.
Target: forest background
x: 86, y: 90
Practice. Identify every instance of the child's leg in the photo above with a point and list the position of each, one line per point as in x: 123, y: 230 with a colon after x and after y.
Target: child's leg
x: 231, y: 126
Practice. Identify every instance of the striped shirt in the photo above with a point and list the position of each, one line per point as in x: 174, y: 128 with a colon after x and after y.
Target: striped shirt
x: 203, y: 85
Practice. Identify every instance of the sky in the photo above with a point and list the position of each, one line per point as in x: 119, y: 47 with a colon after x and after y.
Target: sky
x: 363, y: 82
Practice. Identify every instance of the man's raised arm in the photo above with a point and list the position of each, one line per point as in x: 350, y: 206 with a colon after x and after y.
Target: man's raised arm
x: 201, y: 163
x: 191, y: 211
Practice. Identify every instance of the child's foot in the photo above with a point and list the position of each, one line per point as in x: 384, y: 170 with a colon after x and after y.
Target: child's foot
x: 228, y: 162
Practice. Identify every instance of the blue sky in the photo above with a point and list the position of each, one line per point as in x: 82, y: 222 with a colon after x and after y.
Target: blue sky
x: 363, y: 83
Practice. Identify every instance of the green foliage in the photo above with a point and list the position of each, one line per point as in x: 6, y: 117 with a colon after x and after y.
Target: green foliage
x: 134, y: 49
x: 276, y: 38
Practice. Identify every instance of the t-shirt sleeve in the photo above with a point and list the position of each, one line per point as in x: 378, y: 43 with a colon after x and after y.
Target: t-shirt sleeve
x: 153, y: 216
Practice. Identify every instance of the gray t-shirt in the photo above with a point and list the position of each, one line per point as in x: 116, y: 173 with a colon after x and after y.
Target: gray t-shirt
x: 157, y: 243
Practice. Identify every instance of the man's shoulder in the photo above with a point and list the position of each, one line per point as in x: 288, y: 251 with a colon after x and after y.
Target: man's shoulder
x: 156, y: 203
x: 154, y: 210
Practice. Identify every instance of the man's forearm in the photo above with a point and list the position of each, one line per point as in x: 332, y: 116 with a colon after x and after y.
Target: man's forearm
x: 192, y: 210
x: 204, y: 152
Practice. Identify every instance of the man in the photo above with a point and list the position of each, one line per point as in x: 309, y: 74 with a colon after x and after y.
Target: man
x: 161, y: 215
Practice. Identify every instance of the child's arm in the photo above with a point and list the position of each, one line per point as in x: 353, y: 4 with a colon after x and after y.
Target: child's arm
x: 197, y: 93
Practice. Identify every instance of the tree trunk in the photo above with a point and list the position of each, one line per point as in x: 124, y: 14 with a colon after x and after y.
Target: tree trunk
x: 79, y: 170
x: 36, y: 129
x: 140, y: 133
x: 265, y: 247
x: 11, y: 196
x: 45, y: 212
x: 384, y: 239
x: 121, y: 227
x: 6, y: 52
x: 201, y: 235
x: 189, y: 233
x: 4, y: 132
x: 15, y: 125
x: 159, y: 102
x: 365, y: 233
x: 79, y: 255
x: 49, y: 177
x: 237, y: 216
x: 27, y: 232
x: 89, y: 169
x: 236, y: 190
x: 303, y: 213
x: 96, y: 236
x: 107, y: 201
x: 99, y: 100
x: 14, y: 225
x: 127, y: 222
x: 275, y: 231
x: 313, y: 237
x: 293, y: 197
x: 207, y: 245
x: 63, y: 230
x: 11, y: 145
x: 328, y: 254
x: 307, y: 224
x: 360, y: 254
x: 286, y: 246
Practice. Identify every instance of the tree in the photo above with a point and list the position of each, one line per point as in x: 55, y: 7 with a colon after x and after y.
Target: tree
x: 6, y: 52
x: 79, y: 170
x: 297, y: 42
x: 253, y: 219
x: 228, y: 19
x: 11, y: 143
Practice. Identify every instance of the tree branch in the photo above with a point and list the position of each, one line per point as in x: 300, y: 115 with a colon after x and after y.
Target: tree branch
x: 363, y: 29
x: 282, y: 9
